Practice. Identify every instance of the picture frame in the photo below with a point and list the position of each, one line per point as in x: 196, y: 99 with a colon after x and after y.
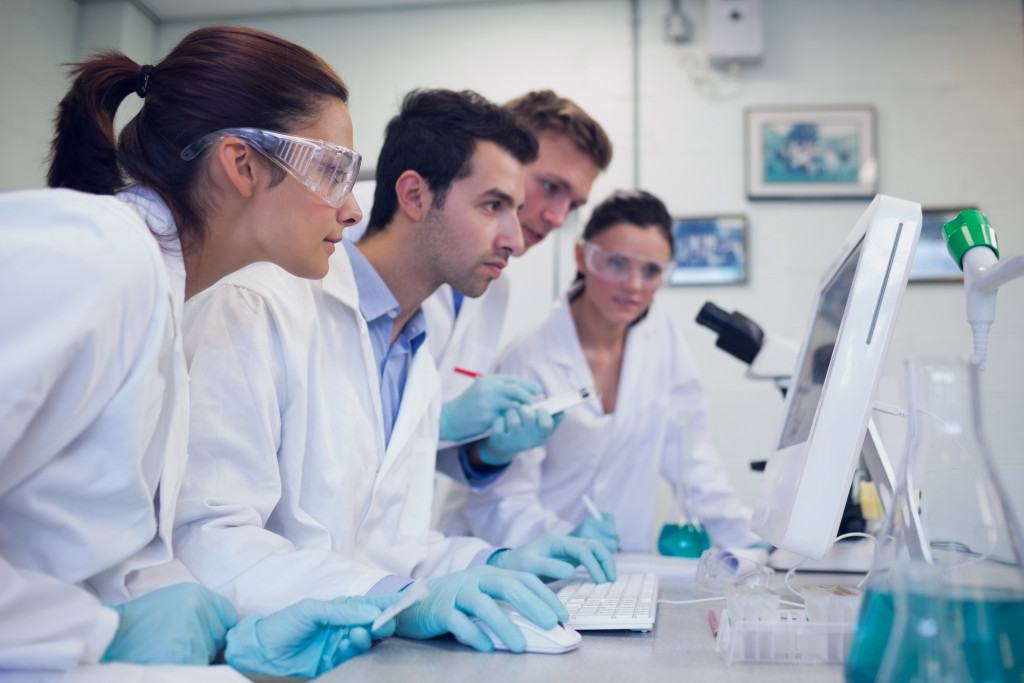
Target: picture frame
x: 932, y: 262
x: 709, y: 250
x: 825, y: 152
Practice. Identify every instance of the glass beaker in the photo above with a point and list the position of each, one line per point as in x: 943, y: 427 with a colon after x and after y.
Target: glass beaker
x: 945, y: 596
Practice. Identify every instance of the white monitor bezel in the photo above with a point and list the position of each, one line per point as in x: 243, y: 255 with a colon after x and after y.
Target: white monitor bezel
x: 806, y: 484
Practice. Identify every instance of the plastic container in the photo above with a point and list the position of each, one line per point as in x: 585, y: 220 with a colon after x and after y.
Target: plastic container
x: 754, y: 629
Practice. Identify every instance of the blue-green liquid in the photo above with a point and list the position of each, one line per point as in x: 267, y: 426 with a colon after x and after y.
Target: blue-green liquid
x: 683, y: 541
x: 989, y: 633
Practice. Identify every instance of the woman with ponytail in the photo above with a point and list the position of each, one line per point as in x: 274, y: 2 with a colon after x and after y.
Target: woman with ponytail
x: 241, y: 153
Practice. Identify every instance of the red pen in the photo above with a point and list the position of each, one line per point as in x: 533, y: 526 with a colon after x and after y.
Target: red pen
x: 713, y: 620
x: 469, y: 373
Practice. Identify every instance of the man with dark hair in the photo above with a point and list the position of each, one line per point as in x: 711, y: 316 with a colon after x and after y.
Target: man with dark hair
x: 572, y: 150
x: 316, y: 410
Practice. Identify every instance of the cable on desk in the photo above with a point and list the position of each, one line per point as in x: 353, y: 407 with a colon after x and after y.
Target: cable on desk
x: 838, y: 538
x: 687, y: 602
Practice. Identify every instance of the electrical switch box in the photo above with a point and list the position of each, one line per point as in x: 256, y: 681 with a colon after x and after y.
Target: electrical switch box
x: 735, y: 31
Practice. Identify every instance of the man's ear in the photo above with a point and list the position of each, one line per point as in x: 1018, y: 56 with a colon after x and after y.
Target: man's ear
x: 235, y: 162
x: 579, y: 257
x: 414, y: 195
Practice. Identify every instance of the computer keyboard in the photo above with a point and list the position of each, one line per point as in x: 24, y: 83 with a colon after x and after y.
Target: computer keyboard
x: 629, y: 602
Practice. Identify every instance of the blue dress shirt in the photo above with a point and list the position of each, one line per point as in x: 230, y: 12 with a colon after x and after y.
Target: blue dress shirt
x: 380, y: 308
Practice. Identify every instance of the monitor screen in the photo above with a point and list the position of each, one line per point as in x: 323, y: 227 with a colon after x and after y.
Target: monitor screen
x: 824, y: 331
x: 808, y: 474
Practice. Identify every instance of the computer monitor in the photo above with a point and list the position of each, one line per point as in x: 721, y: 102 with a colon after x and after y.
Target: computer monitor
x: 829, y: 401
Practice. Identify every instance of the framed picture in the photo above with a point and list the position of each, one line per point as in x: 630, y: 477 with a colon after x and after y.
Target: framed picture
x: 709, y: 250
x: 932, y: 262
x: 811, y: 152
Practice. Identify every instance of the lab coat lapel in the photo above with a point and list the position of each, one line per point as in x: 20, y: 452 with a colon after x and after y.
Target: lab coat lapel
x: 633, y: 382
x: 421, y: 389
x: 439, y: 312
x: 340, y: 284
x: 568, y: 354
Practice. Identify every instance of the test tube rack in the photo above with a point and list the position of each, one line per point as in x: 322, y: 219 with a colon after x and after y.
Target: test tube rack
x: 755, y: 629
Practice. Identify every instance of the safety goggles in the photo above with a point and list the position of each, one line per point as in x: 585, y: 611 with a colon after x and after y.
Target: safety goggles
x: 327, y: 169
x: 618, y: 266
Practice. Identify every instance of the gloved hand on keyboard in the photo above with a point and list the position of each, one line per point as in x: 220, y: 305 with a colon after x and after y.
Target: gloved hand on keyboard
x: 556, y: 556
x: 181, y: 624
x: 307, y: 638
x: 455, y: 598
x: 602, y: 530
x: 488, y: 398
x: 517, y: 430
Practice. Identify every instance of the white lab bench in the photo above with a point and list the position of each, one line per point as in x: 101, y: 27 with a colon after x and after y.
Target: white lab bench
x: 679, y: 648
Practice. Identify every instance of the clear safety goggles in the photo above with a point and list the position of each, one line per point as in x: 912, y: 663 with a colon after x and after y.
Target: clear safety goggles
x: 618, y: 266
x: 327, y: 169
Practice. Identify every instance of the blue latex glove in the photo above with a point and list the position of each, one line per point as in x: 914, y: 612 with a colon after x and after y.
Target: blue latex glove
x: 456, y: 597
x: 602, y: 530
x: 181, y: 624
x: 517, y: 430
x: 308, y: 638
x: 476, y: 409
x: 556, y: 556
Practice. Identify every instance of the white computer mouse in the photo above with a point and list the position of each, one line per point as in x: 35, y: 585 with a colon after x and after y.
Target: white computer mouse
x: 554, y: 641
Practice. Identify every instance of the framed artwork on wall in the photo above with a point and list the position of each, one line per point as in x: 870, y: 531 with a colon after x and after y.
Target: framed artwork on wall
x: 811, y: 152
x: 709, y: 250
x: 932, y: 262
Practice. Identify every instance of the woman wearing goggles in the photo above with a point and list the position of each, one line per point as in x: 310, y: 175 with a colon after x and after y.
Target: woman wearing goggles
x: 99, y: 271
x: 621, y: 266
x: 651, y: 423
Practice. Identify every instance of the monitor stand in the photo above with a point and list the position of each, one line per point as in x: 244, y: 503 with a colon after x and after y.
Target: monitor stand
x: 857, y: 553
x: 851, y: 555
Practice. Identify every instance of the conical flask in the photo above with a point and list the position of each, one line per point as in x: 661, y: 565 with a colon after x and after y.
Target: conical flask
x: 945, y: 596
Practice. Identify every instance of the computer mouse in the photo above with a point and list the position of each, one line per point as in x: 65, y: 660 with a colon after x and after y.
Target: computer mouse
x: 553, y: 641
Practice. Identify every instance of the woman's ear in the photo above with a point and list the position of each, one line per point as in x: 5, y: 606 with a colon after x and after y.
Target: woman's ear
x: 414, y: 195
x: 580, y: 262
x: 235, y: 162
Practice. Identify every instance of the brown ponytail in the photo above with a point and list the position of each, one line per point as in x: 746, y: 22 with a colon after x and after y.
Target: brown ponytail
x: 216, y: 77
x: 84, y: 154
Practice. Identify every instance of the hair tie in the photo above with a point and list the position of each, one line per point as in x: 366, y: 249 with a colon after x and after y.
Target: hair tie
x: 142, y: 80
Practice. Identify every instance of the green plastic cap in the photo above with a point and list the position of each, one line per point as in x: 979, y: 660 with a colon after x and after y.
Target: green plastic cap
x: 969, y: 229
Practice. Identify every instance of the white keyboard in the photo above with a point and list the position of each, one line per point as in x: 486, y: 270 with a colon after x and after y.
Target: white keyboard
x: 629, y: 602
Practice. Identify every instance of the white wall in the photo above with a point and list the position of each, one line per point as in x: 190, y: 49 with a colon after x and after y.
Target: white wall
x: 947, y: 81
x: 37, y: 39
x: 36, y: 36
x: 946, y: 78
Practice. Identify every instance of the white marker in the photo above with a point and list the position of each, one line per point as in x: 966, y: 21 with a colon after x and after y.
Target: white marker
x: 410, y: 596
x: 594, y: 512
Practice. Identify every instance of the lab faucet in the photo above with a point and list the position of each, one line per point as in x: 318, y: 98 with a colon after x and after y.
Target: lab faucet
x: 972, y: 243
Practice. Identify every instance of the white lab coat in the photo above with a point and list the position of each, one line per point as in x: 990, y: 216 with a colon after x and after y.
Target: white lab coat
x: 470, y: 341
x: 290, y: 492
x: 93, y: 413
x: 659, y: 428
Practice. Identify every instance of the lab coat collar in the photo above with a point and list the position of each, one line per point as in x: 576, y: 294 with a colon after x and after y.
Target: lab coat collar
x: 569, y: 354
x: 155, y: 212
x: 340, y: 282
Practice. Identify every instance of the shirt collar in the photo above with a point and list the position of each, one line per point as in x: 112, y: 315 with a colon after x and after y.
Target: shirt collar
x: 377, y: 301
x: 375, y: 298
